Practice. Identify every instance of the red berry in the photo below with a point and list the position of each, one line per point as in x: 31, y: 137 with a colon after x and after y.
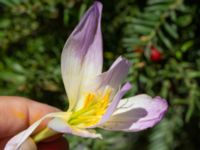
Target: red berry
x: 155, y: 54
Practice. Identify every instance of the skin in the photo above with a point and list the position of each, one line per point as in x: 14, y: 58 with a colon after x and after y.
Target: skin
x: 17, y: 114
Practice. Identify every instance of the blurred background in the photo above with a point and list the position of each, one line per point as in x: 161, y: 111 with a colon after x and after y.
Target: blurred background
x: 160, y: 37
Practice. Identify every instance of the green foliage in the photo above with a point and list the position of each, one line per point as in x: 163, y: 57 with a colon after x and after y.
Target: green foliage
x: 162, y: 137
x: 32, y: 34
x: 117, y: 141
x: 169, y: 26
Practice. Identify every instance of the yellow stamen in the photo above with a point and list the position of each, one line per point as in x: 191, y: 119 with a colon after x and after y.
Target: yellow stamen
x: 94, y: 107
x: 88, y: 99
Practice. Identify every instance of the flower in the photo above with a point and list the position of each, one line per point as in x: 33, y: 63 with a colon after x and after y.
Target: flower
x: 95, y: 98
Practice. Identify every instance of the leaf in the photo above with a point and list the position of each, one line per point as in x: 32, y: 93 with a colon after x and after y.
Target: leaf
x: 82, y: 10
x: 141, y: 29
x: 171, y: 29
x: 132, y: 41
x: 187, y: 45
x: 185, y: 20
x: 6, y: 2
x: 152, y: 2
x: 149, y: 16
x: 157, y: 8
x: 140, y: 21
x: 190, y: 110
x: 165, y: 40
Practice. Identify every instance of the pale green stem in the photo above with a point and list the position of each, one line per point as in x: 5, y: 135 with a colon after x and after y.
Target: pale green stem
x: 44, y: 134
x: 47, y: 132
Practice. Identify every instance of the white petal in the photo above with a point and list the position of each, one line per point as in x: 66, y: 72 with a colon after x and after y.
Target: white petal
x: 82, y: 54
x: 113, y: 77
x: 60, y: 125
x: 137, y: 113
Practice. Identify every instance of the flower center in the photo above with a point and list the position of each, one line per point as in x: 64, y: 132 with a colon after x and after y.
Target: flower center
x: 94, y: 107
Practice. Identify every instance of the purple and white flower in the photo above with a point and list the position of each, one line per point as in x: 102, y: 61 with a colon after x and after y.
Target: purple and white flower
x: 95, y: 98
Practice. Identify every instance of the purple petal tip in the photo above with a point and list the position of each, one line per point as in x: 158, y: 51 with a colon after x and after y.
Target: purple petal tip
x: 162, y: 109
x: 127, y: 86
x: 125, y: 61
x: 97, y: 4
x: 164, y: 105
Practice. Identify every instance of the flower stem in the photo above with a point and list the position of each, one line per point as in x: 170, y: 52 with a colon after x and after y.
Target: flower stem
x: 44, y: 134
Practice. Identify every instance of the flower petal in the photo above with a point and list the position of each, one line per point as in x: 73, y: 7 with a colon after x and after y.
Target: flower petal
x: 60, y: 125
x: 113, y: 77
x: 15, y: 142
x: 137, y: 113
x: 113, y: 104
x: 81, y: 58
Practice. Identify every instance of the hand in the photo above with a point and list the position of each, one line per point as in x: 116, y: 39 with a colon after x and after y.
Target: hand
x: 17, y: 113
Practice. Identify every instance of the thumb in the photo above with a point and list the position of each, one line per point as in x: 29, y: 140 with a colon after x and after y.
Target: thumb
x: 29, y: 144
